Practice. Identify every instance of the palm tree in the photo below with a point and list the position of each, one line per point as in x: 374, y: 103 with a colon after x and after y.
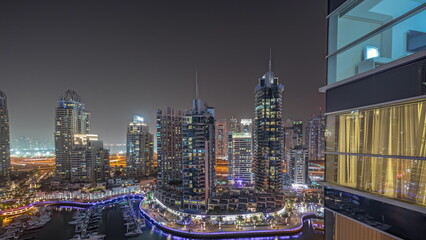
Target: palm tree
x: 220, y: 219
x: 285, y: 215
x: 240, y: 219
x: 255, y: 219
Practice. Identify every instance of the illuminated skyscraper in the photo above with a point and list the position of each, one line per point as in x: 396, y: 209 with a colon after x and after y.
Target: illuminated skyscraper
x: 240, y: 158
x: 234, y: 126
x: 89, y: 160
x: 198, y: 155
x: 140, y: 149
x: 375, y: 121
x: 246, y: 126
x: 71, y: 118
x: 268, y: 134
x: 297, y: 165
x: 169, y: 147
x: 315, y: 137
x: 4, y: 139
x: 221, y: 139
x: 315, y: 142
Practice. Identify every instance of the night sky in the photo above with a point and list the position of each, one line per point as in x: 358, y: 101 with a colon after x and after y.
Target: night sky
x: 133, y: 57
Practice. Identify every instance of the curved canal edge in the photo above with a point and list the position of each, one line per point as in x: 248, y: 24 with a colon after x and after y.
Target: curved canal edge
x: 220, y: 235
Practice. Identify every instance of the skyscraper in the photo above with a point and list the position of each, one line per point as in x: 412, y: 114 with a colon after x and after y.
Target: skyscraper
x: 315, y: 142
x: 71, y: 118
x: 140, y: 149
x: 375, y: 120
x: 293, y: 134
x: 198, y: 155
x: 221, y: 139
x: 4, y: 139
x: 268, y: 133
x: 89, y: 160
x: 297, y: 165
x: 234, y: 126
x: 246, y: 126
x: 240, y: 158
x: 169, y: 147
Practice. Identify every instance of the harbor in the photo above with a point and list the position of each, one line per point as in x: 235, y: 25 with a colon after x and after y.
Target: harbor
x: 112, y: 222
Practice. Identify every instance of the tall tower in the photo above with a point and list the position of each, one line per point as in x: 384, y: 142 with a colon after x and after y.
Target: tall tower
x: 221, y: 139
x: 169, y: 147
x: 315, y: 137
x: 140, y: 149
x: 4, y: 139
x: 71, y: 118
x: 268, y: 133
x: 198, y: 155
x: 240, y: 158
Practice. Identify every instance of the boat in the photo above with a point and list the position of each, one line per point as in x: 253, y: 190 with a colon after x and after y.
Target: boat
x: 133, y: 233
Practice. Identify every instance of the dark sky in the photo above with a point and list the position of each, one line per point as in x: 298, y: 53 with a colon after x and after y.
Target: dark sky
x: 132, y: 57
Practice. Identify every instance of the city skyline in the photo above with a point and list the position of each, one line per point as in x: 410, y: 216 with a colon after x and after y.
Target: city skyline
x: 153, y: 70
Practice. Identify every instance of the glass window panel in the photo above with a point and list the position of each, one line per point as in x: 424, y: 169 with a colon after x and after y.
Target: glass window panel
x: 395, y: 178
x: 390, y: 130
x: 362, y: 17
x: 397, y: 41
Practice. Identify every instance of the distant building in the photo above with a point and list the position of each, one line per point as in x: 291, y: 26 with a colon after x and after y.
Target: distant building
x: 89, y: 160
x: 268, y: 134
x: 221, y: 139
x: 116, y: 148
x: 140, y: 149
x: 315, y: 142
x: 198, y: 155
x: 315, y: 137
x: 169, y: 147
x: 233, y: 126
x: 297, y: 166
x: 71, y: 118
x: 246, y: 126
x: 4, y: 139
x: 240, y: 158
x: 293, y: 134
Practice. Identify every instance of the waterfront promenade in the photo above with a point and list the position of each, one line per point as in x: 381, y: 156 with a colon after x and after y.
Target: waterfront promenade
x: 201, y: 228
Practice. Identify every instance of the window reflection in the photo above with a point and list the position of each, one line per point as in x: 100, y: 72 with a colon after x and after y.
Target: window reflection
x: 403, y: 179
x: 391, y: 130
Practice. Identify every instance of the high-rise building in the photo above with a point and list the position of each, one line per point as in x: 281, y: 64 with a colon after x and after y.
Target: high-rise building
x: 297, y: 166
x: 4, y: 139
x: 315, y: 137
x: 221, y: 139
x: 234, y: 126
x: 293, y: 134
x: 89, y: 160
x: 298, y: 134
x: 315, y: 142
x: 71, y: 118
x: 246, y: 126
x: 140, y: 149
x: 375, y: 121
x: 198, y: 155
x: 169, y: 147
x: 240, y: 158
x: 268, y: 134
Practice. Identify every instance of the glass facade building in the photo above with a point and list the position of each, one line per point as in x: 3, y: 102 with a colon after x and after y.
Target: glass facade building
x: 169, y: 147
x: 375, y: 121
x: 240, y: 158
x: 140, y: 149
x: 268, y: 134
x: 198, y: 156
x: 71, y: 118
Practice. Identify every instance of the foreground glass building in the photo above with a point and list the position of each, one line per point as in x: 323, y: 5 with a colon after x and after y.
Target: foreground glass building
x: 376, y: 120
